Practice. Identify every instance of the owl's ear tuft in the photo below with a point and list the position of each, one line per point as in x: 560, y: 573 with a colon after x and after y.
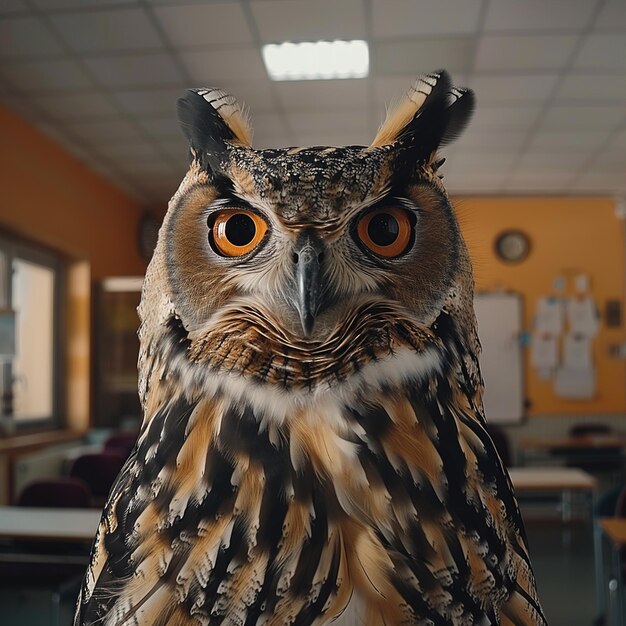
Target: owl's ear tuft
x: 432, y: 114
x: 212, y: 121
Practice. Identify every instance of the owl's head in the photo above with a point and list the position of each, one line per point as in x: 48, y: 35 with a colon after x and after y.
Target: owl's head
x: 300, y: 266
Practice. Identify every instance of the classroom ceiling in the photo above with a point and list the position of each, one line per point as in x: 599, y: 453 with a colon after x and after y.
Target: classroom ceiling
x: 101, y: 77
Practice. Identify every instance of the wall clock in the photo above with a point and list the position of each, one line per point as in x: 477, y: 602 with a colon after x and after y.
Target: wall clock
x: 512, y: 246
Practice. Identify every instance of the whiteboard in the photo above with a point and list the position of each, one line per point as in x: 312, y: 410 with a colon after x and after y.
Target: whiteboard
x: 499, y: 318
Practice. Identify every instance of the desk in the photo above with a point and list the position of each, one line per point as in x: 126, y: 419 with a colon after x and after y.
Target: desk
x: 614, y: 529
x: 574, y: 443
x: 67, y: 525
x: 551, y: 478
x: 566, y: 481
x: 595, y: 449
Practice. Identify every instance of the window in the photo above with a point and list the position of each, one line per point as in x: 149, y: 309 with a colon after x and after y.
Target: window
x: 30, y: 288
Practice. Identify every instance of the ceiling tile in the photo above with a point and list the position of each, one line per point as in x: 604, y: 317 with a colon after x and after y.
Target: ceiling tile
x: 162, y: 127
x: 135, y: 70
x: 524, y: 52
x: 610, y: 160
x: 106, y: 31
x: 46, y: 76
x: 261, y: 140
x: 322, y: 95
x: 573, y: 116
x: 491, y: 140
x: 538, y: 15
x: 256, y: 95
x: 149, y: 101
x: 612, y: 16
x: 144, y: 169
x: 177, y: 149
x: 606, y: 51
x: 22, y: 105
x: 602, y: 182
x: 592, y: 86
x: 326, y: 138
x: 47, y: 5
x: 478, y: 163
x: 76, y: 106
x: 125, y: 151
x: 512, y: 88
x: 204, y: 24
x: 511, y: 117
x: 26, y: 37
x: 618, y: 140
x: 105, y: 131
x: 212, y: 67
x: 268, y: 124
x: 9, y: 7
x: 460, y: 184
x: 302, y: 20
x: 402, y: 18
x: 421, y: 56
x: 540, y: 161
x: 532, y: 182
x: 581, y: 140
x: 355, y: 120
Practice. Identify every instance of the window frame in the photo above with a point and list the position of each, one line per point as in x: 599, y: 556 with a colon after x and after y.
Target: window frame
x: 13, y: 248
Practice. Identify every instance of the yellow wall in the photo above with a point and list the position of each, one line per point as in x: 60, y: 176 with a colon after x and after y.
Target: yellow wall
x: 569, y: 236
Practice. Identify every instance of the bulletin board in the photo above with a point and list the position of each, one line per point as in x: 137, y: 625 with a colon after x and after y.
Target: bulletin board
x: 499, y: 318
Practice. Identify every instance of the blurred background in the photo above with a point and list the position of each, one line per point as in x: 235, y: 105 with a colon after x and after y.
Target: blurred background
x: 91, y: 152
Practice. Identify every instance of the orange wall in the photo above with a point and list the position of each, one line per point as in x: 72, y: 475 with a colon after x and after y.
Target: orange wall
x: 568, y: 236
x: 50, y: 197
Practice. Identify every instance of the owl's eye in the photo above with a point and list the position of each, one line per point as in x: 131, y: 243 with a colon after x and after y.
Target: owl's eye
x: 385, y: 231
x: 236, y: 232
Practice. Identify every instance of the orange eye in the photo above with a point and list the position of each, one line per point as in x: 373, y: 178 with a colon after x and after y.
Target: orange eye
x: 236, y: 232
x: 385, y: 231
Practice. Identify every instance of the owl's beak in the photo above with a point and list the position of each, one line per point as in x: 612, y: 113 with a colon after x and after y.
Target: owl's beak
x: 307, y: 298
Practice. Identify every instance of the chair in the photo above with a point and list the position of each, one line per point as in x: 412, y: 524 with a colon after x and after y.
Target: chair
x: 98, y: 471
x: 56, y: 492
x: 593, y: 459
x: 56, y: 568
x: 123, y: 442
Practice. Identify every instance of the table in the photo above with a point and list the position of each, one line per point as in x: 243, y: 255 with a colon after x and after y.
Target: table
x: 45, y: 524
x: 614, y: 529
x: 564, y: 480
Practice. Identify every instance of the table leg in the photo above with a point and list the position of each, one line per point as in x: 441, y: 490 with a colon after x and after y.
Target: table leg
x: 619, y: 590
x: 566, y: 506
x: 598, y: 562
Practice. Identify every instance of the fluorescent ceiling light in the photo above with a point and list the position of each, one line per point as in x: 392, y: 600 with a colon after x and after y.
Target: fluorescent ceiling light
x: 317, y: 60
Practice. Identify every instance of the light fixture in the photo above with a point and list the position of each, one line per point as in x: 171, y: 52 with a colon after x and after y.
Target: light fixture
x: 317, y: 60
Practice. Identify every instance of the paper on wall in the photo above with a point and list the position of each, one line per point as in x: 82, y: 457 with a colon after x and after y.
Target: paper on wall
x: 544, y: 354
x: 575, y: 383
x: 582, y: 316
x: 549, y: 316
x: 577, y: 352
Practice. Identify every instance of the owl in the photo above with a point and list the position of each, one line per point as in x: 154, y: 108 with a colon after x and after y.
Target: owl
x: 313, y: 448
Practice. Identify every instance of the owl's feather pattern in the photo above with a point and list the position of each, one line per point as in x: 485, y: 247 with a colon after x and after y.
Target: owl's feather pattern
x: 343, y: 478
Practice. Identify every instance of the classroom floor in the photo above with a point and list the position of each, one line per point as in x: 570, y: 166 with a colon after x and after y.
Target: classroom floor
x: 563, y: 562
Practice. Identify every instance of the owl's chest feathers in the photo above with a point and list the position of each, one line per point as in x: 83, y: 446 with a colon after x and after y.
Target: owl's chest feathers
x: 323, y: 498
